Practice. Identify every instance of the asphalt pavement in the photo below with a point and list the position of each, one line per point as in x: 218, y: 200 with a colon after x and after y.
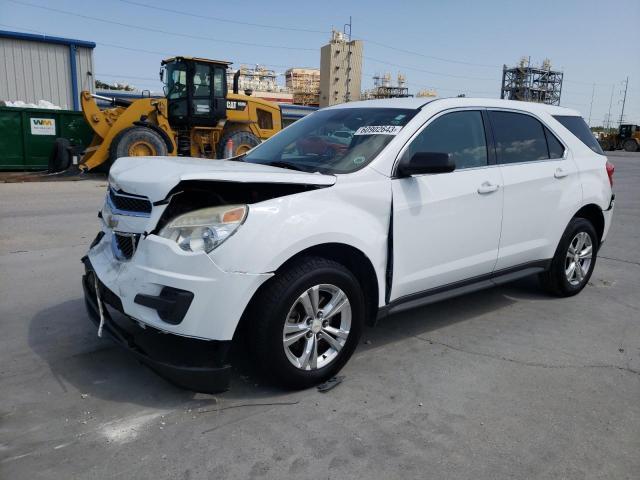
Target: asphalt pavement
x: 504, y: 383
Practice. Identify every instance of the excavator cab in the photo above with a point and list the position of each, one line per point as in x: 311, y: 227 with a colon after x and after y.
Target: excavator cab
x: 196, y: 91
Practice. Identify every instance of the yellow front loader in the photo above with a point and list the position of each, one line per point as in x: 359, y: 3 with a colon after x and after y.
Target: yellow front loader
x: 197, y: 118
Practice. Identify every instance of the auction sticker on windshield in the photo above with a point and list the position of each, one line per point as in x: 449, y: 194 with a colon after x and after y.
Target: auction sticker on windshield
x: 379, y: 130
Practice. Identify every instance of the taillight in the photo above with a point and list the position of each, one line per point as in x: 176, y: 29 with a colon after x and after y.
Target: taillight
x: 610, y: 170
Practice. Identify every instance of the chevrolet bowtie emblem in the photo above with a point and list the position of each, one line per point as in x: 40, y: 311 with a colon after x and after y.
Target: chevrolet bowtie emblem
x: 111, y: 222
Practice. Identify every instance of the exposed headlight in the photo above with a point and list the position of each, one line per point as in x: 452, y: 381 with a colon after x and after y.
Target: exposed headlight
x: 205, y: 229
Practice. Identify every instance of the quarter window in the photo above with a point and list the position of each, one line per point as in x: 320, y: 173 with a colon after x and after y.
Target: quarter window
x: 556, y: 149
x: 460, y: 134
x: 580, y: 129
x: 519, y: 137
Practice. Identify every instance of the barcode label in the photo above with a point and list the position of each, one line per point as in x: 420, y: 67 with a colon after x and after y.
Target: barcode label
x: 379, y: 130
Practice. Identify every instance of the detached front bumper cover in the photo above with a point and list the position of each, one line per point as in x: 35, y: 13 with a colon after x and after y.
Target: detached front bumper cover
x: 196, y: 365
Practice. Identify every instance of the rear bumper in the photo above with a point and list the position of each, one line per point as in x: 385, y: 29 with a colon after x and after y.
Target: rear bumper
x: 197, y: 365
x: 608, y: 216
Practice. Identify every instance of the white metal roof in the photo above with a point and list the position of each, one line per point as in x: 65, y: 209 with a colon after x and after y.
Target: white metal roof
x: 454, y: 102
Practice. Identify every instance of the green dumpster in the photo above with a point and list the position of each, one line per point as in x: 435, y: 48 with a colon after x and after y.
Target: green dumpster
x: 27, y: 135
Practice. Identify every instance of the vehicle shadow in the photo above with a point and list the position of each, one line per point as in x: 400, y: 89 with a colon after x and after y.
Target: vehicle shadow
x: 66, y: 340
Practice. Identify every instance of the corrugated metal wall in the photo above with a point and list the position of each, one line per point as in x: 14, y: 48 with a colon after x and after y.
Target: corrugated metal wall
x: 32, y: 71
x: 85, y: 64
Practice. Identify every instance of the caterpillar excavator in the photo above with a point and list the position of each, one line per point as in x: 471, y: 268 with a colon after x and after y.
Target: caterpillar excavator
x: 198, y: 117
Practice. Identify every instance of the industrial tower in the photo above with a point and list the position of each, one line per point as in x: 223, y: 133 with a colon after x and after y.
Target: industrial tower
x: 532, y: 84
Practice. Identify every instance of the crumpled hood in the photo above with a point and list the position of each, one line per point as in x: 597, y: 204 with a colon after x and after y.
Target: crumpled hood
x: 154, y: 177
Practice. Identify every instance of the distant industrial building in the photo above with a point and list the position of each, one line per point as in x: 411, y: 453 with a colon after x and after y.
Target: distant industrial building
x: 532, y: 84
x: 262, y: 82
x: 427, y: 93
x: 382, y: 87
x: 304, y: 84
x: 340, y: 70
x: 41, y: 67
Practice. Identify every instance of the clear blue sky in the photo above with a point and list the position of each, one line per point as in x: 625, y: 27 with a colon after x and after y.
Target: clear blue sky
x: 591, y: 41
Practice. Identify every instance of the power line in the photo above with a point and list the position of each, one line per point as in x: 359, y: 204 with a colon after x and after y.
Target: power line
x: 431, y: 57
x: 295, y: 29
x: 220, y: 19
x: 128, y: 77
x: 407, y: 67
x: 156, y: 30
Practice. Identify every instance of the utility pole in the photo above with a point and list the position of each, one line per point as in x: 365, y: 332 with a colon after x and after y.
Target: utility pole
x: 347, y: 94
x: 593, y: 91
x: 609, y: 114
x: 624, y: 99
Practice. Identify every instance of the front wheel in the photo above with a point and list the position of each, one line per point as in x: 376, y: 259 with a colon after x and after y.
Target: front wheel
x: 137, y: 142
x: 574, y: 260
x: 306, y: 323
x: 630, y: 146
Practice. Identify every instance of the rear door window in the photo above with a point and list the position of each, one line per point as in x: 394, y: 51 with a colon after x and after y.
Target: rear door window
x: 518, y: 137
x: 580, y: 129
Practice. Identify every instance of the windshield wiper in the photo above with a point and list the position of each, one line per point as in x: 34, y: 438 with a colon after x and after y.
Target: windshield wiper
x: 287, y: 165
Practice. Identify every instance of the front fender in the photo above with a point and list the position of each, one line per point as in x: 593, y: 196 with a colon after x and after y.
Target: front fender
x: 355, y: 212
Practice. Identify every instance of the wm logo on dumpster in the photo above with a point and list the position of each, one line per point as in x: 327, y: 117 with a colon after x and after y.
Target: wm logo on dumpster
x: 43, y: 126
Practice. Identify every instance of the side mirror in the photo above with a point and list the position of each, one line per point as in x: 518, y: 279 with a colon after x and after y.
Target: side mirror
x: 426, y: 162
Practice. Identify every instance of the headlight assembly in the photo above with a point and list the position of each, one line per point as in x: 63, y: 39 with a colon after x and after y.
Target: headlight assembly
x: 204, y: 229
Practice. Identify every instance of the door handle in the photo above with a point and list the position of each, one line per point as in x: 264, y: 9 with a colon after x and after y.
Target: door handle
x: 560, y: 173
x: 487, y: 187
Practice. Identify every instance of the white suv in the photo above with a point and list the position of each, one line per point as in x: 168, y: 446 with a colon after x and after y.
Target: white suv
x: 298, y: 243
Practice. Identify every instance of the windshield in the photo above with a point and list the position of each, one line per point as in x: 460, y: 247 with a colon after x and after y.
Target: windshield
x: 176, y: 80
x: 332, y: 141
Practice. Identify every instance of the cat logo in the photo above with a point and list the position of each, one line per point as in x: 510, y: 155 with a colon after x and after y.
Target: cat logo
x: 236, y: 105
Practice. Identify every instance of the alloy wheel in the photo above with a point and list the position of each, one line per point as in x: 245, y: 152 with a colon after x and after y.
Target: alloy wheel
x: 317, y: 327
x: 579, y: 258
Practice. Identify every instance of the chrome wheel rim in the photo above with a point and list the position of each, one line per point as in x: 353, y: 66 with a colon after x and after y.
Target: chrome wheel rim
x: 579, y: 258
x: 317, y: 327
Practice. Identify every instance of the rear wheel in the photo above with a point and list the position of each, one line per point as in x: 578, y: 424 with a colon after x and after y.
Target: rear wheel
x: 241, y: 142
x: 630, y: 145
x: 574, y: 260
x: 306, y: 324
x: 137, y: 142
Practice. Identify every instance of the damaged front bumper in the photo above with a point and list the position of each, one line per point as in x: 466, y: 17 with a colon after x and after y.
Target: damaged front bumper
x: 198, y: 365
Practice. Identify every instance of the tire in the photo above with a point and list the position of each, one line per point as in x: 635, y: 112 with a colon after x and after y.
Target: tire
x: 605, y: 145
x: 243, y: 141
x: 279, y: 305
x: 60, y: 156
x: 630, y: 145
x: 559, y: 279
x: 136, y: 141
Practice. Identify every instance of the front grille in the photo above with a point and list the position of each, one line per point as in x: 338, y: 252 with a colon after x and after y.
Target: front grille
x: 125, y: 244
x: 127, y: 203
